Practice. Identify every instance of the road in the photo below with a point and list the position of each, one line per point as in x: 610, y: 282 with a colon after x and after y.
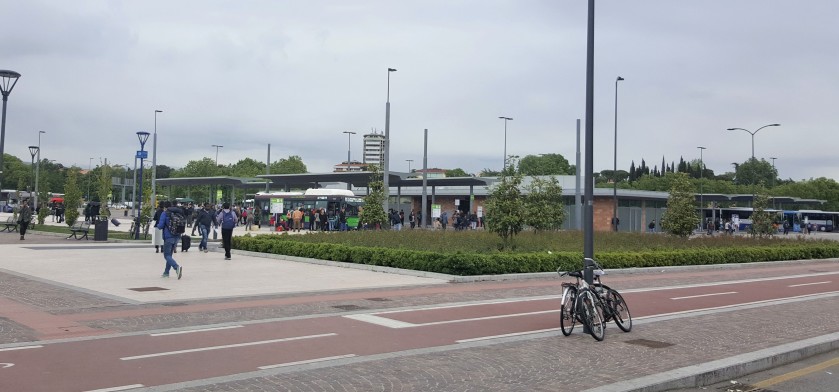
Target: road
x: 123, y: 361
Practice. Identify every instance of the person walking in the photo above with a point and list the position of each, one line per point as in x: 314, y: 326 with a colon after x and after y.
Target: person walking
x: 297, y: 217
x: 24, y: 217
x: 203, y: 220
x: 157, y: 239
x: 227, y: 219
x: 444, y: 219
x: 170, y: 240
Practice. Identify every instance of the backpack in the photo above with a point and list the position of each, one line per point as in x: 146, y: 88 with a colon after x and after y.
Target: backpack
x: 176, y: 223
x: 228, y: 221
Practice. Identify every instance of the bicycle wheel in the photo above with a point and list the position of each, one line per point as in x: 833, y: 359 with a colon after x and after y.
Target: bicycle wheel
x: 567, y: 316
x: 592, y: 309
x: 619, y: 310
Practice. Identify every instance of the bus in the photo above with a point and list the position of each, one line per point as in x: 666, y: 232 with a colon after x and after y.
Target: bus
x: 818, y: 220
x: 272, y: 204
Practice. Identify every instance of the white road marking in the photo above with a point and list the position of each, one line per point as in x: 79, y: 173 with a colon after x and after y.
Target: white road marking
x: 19, y: 348
x: 6, y: 365
x: 383, y: 321
x: 195, y: 330
x: 307, y: 361
x: 808, y: 284
x: 506, y: 335
x: 765, y: 301
x: 705, y: 295
x: 227, y: 346
x: 115, y: 389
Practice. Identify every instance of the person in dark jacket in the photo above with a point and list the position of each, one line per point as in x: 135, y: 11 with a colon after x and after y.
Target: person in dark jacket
x: 204, y: 220
x: 170, y: 240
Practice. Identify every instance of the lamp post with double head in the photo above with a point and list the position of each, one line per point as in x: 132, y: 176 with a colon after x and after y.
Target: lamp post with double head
x: 386, y: 165
x: 615, y: 168
x: 753, y: 134
x: 154, y: 162
x: 143, y: 137
x: 89, y: 168
x: 349, y: 147
x: 409, y: 164
x: 504, y: 166
x: 217, y: 146
x: 33, y: 150
x: 701, y: 191
x: 37, y: 172
x: 8, y: 80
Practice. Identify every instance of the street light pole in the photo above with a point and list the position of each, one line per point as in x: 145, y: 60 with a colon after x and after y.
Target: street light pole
x: 409, y: 164
x: 701, y: 191
x: 37, y: 172
x: 349, y: 146
x: 753, y: 134
x: 33, y: 150
x: 217, y: 147
x: 774, y: 174
x: 615, y: 168
x: 154, y: 163
x: 89, y: 168
x: 505, y: 140
x: 8, y: 80
x: 143, y: 137
x: 386, y: 166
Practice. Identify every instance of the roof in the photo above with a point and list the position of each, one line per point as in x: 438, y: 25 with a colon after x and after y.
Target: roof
x: 241, y: 182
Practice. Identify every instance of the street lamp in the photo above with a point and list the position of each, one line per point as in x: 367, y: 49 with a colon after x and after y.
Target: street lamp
x: 154, y: 162
x: 409, y: 164
x: 33, y: 150
x: 505, y: 140
x: 753, y: 134
x: 37, y: 172
x: 143, y: 137
x: 615, y: 169
x: 701, y: 191
x: 349, y: 136
x: 8, y: 79
x: 217, y: 147
x: 89, y: 168
x: 386, y: 179
x: 774, y: 174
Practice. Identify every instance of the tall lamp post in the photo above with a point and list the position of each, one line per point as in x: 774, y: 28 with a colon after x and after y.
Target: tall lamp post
x: 154, y: 162
x: 89, y: 168
x: 33, y: 150
x: 349, y: 144
x: 615, y: 168
x: 8, y: 80
x: 143, y: 137
x: 505, y: 140
x: 774, y: 174
x: 217, y: 146
x: 37, y: 172
x: 409, y: 164
x: 753, y: 134
x: 386, y: 179
x: 701, y: 191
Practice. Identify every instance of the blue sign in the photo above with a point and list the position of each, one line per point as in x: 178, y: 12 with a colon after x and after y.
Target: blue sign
x: 142, y: 155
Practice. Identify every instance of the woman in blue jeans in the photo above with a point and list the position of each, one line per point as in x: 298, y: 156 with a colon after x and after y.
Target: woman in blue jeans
x: 170, y: 240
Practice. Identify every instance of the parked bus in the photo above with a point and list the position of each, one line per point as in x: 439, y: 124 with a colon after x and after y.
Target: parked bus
x: 818, y: 220
x: 332, y: 200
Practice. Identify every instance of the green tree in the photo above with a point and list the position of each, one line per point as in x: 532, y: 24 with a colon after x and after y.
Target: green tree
x: 291, y: 165
x: 104, y: 188
x: 504, y: 205
x: 247, y: 167
x: 753, y: 172
x: 489, y: 173
x: 373, y: 215
x: 543, y: 205
x: 72, y: 196
x: 680, y: 217
x: 456, y: 173
x: 545, y: 165
x: 13, y: 171
x: 762, y: 220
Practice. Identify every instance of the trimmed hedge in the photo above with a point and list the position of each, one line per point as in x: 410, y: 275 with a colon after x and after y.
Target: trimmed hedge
x: 461, y: 263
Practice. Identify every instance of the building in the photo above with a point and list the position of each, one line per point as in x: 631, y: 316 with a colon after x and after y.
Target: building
x: 431, y: 173
x: 353, y: 166
x: 374, y: 148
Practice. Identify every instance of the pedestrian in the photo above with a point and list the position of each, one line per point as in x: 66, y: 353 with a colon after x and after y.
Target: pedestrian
x: 473, y: 220
x: 157, y: 239
x: 24, y: 217
x: 786, y: 228
x: 227, y: 219
x: 444, y: 219
x: 651, y: 226
x: 204, y: 220
x: 412, y: 219
x: 170, y: 240
x: 297, y: 217
x: 248, y: 218
x: 342, y: 219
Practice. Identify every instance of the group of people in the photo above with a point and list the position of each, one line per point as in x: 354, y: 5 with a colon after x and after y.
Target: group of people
x: 171, y: 221
x: 315, y: 219
x: 460, y: 220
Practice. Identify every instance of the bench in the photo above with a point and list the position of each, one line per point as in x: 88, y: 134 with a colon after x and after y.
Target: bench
x: 78, y: 228
x: 10, y: 224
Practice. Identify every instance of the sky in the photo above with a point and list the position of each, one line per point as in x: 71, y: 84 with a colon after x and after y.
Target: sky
x: 297, y: 74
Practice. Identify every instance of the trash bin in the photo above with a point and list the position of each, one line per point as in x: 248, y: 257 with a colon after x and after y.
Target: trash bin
x: 100, y: 231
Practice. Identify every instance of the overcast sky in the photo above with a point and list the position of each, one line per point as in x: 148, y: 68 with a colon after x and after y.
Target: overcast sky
x: 296, y: 74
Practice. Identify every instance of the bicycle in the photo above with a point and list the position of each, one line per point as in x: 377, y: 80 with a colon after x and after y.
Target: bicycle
x: 613, y: 304
x: 144, y: 227
x: 581, y: 303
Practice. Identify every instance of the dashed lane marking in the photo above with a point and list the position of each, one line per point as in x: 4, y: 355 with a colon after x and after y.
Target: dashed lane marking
x: 306, y: 361
x: 195, y: 330
x: 808, y: 284
x: 506, y: 335
x: 115, y: 389
x: 19, y: 348
x: 383, y: 321
x: 163, y: 354
x: 704, y: 295
x: 386, y: 322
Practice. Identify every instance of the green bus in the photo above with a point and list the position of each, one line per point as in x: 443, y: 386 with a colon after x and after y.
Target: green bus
x: 277, y: 204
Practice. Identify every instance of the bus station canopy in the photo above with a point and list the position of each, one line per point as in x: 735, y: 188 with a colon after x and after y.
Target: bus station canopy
x: 747, y: 198
x: 238, y: 182
x: 362, y: 179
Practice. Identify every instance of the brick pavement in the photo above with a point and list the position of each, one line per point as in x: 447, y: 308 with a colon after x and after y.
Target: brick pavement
x: 547, y: 362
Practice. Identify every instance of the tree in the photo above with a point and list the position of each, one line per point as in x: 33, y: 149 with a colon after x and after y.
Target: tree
x: 292, y: 165
x: 456, y: 173
x: 489, y: 173
x: 247, y: 167
x: 104, y: 188
x: 680, y: 217
x: 753, y: 172
x: 373, y: 215
x: 543, y: 205
x: 72, y: 196
x: 545, y: 165
x: 762, y: 222
x: 504, y: 205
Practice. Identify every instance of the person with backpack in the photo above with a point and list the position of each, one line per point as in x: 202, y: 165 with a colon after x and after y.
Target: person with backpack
x: 203, y: 221
x: 169, y: 224
x: 227, y: 220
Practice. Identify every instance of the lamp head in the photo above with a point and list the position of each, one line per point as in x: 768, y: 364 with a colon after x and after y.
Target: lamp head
x: 143, y: 136
x: 731, y: 129
x: 619, y: 78
x: 9, y: 79
x: 702, y: 148
x: 42, y: 131
x: 774, y: 125
x: 391, y: 69
x: 158, y: 111
x: 33, y: 150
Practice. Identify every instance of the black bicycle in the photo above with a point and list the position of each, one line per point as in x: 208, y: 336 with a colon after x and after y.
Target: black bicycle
x: 607, y: 304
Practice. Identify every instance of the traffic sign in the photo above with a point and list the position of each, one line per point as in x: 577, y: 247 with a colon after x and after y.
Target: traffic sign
x: 142, y: 155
